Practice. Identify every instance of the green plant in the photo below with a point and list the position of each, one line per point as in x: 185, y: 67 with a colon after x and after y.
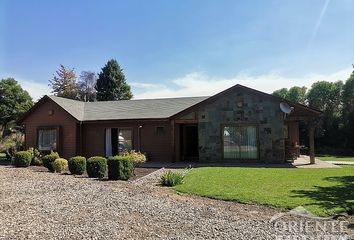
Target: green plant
x: 77, y: 165
x: 171, y: 179
x: 49, y: 159
x: 11, y: 143
x: 120, y: 167
x: 96, y: 167
x: 60, y: 165
x: 22, y: 159
x: 137, y: 158
x: 36, y: 157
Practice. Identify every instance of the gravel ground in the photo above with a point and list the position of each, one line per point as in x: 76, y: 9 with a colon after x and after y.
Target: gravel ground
x: 42, y: 205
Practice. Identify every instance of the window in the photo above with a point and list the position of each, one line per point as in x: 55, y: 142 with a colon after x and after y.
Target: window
x: 47, y: 139
x: 160, y: 131
x: 240, y: 142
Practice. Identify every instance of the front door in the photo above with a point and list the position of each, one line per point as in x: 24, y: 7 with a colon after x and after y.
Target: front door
x: 189, y: 143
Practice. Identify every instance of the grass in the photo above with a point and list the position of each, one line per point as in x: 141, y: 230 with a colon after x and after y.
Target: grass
x: 2, y: 155
x: 324, y: 192
x: 335, y: 158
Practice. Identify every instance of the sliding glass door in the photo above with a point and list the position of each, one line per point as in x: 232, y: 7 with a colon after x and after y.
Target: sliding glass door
x: 118, y: 140
x: 240, y: 142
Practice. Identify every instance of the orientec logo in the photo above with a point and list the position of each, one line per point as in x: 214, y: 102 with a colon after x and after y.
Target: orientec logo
x: 309, y: 226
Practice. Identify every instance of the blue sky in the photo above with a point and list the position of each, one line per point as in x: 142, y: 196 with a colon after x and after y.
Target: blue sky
x: 179, y: 47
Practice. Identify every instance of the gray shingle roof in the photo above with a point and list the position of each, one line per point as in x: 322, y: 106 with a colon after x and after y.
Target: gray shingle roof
x: 126, y: 109
x: 73, y: 107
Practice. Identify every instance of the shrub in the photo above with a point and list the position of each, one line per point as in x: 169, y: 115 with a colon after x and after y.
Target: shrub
x: 120, y: 167
x: 77, y: 165
x: 171, y: 179
x: 60, y: 165
x: 96, y: 167
x: 49, y: 159
x: 36, y: 157
x: 22, y: 159
x: 137, y: 157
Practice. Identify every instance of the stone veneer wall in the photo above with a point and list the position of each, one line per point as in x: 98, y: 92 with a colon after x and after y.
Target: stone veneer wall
x: 242, y: 107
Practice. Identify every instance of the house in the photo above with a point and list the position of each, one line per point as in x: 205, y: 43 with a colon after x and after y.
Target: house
x: 238, y: 124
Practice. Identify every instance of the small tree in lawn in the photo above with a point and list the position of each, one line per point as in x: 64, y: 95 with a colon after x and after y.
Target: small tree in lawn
x: 64, y: 83
x: 111, y: 83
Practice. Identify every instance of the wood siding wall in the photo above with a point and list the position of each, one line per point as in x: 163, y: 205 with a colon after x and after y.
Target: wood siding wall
x: 158, y: 148
x: 40, y: 117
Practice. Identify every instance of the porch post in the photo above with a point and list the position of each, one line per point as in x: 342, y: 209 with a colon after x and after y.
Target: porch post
x: 173, y: 142
x: 312, y: 143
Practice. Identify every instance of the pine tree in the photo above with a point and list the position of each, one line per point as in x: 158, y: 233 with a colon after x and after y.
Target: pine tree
x: 111, y: 83
x: 64, y: 83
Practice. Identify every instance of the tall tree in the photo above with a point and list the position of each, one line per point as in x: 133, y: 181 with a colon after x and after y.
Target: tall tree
x: 348, y: 111
x: 294, y: 94
x: 283, y: 93
x: 297, y: 94
x: 86, y: 85
x: 14, y: 101
x: 111, y: 83
x: 64, y: 83
x: 326, y: 96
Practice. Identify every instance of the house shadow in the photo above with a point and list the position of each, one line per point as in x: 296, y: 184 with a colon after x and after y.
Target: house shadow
x: 182, y: 165
x: 332, y: 197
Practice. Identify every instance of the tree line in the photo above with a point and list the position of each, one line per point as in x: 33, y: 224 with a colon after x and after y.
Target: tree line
x: 109, y: 84
x: 336, y: 101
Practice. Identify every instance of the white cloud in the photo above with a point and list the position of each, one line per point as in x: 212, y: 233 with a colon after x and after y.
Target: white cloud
x: 35, y: 89
x: 200, y: 84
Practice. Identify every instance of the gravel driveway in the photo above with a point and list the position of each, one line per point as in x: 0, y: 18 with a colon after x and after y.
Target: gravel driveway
x: 41, y: 205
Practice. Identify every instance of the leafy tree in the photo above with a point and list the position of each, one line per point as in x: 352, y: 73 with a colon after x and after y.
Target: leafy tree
x: 111, y: 83
x: 14, y: 101
x: 297, y: 94
x: 283, y: 93
x: 64, y: 83
x: 348, y: 111
x: 86, y: 85
x: 294, y: 94
x: 326, y: 96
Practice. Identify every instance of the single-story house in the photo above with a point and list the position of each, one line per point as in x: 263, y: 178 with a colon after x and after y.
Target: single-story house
x: 238, y: 124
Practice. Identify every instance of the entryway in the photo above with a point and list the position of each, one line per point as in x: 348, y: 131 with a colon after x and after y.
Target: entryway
x: 189, y: 142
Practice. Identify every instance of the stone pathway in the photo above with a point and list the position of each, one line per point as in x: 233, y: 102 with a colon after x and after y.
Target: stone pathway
x: 304, y: 162
x: 341, y: 163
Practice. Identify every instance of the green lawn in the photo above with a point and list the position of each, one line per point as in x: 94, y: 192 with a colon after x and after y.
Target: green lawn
x: 335, y: 158
x: 322, y: 191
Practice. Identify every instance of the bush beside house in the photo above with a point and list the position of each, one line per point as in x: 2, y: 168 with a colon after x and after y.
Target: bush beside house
x: 23, y: 159
x: 96, y: 167
x: 36, y: 157
x: 120, y: 168
x: 137, y: 158
x: 49, y: 159
x: 60, y: 165
x: 77, y: 165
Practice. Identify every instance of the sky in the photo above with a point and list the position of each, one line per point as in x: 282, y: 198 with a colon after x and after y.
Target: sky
x: 174, y: 48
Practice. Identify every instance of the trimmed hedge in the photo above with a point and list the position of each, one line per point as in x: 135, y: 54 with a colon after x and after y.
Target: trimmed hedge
x: 96, y: 167
x: 77, y: 165
x: 60, y: 165
x: 49, y: 159
x: 120, y: 168
x: 23, y: 159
